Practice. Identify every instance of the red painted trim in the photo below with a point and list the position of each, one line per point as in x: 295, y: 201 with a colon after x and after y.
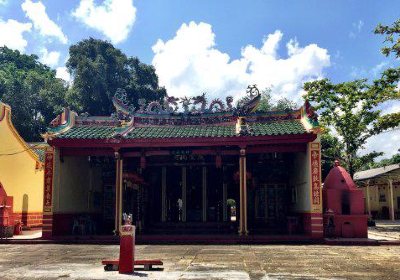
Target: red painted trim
x: 276, y: 148
x: 157, y: 153
x: 250, y: 150
x: 185, y: 142
x: 87, y: 152
x: 131, y: 154
x: 3, y: 112
x: 314, y: 214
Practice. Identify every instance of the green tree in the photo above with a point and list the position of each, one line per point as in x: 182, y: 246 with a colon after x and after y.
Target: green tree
x: 351, y: 109
x: 331, y: 150
x: 395, y: 159
x: 98, y: 69
x: 392, y: 33
x: 285, y: 104
x: 266, y: 103
x: 392, y: 37
x: 32, y: 90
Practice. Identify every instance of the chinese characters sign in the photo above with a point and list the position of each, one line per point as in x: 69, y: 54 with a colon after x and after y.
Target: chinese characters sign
x: 48, y: 180
x: 316, y: 176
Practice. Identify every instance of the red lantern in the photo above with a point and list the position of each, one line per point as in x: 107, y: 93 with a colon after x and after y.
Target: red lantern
x: 236, y: 176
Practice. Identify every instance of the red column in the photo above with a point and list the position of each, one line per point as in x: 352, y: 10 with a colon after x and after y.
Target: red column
x: 49, y: 156
x: 118, y: 193
x: 243, y: 193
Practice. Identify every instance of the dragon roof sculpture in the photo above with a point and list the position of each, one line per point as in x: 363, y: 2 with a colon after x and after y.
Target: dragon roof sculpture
x: 169, y: 106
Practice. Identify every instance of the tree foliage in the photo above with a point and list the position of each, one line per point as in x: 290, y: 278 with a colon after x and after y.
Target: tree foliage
x: 331, y: 150
x: 392, y: 33
x: 395, y: 159
x: 99, y: 69
x: 350, y: 108
x: 32, y: 90
x: 266, y: 103
x: 392, y: 37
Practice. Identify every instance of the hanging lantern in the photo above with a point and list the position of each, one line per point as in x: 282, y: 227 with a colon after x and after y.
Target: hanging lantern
x: 132, y: 177
x: 236, y: 176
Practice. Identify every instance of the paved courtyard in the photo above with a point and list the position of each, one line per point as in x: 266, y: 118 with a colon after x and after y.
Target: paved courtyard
x: 204, y: 262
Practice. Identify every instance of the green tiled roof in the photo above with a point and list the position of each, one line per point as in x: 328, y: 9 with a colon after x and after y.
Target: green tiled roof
x: 38, y: 148
x: 88, y: 132
x: 258, y: 129
x: 277, y: 128
x: 40, y: 153
x: 182, y: 131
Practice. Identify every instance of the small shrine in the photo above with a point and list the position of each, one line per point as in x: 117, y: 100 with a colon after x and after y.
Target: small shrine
x: 343, y: 206
x: 6, y: 214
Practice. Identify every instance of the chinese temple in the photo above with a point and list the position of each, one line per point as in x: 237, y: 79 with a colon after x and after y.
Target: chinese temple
x: 185, y: 167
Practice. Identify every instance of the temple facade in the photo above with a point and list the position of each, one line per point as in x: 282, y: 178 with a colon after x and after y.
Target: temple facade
x: 210, y: 169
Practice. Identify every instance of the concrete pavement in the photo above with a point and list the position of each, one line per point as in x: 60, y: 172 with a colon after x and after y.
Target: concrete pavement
x: 204, y: 262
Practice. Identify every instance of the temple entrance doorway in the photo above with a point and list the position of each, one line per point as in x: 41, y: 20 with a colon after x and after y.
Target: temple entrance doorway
x: 270, y: 207
x: 187, y: 199
x: 173, y: 196
x: 194, y: 194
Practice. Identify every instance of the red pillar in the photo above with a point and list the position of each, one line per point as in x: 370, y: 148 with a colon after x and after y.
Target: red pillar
x: 243, y: 193
x: 49, y: 156
x: 118, y: 193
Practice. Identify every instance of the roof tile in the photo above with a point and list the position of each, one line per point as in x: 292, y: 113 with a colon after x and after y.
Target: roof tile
x: 258, y: 129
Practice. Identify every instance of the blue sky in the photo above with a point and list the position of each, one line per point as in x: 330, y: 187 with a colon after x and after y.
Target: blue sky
x: 216, y: 46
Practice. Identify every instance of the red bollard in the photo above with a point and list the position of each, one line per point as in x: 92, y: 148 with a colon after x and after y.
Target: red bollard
x: 127, y: 249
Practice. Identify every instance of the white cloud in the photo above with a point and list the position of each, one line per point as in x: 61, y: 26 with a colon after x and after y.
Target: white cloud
x: 11, y: 34
x: 49, y: 58
x: 62, y: 73
x: 3, y: 2
x: 378, y: 68
x: 357, y: 26
x: 387, y: 142
x: 357, y: 73
x: 41, y: 21
x: 114, y: 18
x: 190, y: 63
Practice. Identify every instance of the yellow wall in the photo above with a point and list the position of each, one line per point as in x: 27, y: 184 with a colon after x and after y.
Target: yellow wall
x: 377, y: 205
x: 18, y: 173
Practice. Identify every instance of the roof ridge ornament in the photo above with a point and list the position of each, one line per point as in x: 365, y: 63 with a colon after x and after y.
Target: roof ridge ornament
x: 126, y: 112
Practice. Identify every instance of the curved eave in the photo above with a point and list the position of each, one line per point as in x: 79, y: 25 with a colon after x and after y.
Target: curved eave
x: 5, y: 114
x: 185, y: 141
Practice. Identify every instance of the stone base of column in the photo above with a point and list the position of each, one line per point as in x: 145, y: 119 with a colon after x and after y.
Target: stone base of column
x: 47, y: 229
x: 313, y: 225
